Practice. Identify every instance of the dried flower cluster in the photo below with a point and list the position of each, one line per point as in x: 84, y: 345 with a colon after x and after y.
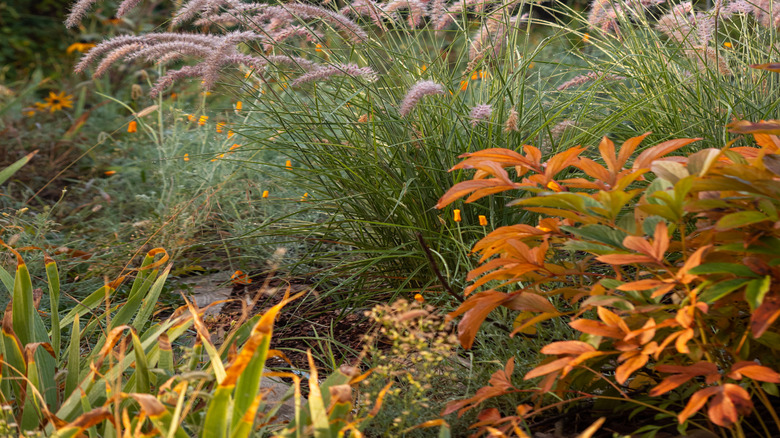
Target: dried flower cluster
x: 267, y: 25
x: 417, y: 92
x: 480, y: 113
x: 261, y: 24
x: 421, y: 347
x: 592, y: 76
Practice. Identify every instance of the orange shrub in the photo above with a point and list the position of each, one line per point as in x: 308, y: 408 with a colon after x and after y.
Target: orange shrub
x: 669, y: 268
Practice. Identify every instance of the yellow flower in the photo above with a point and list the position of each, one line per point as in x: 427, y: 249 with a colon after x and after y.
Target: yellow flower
x: 727, y: 45
x: 474, y: 76
x: 265, y: 193
x: 57, y: 102
x: 202, y: 120
x: 79, y: 47
x: 318, y: 48
x: 423, y: 68
x: 305, y: 195
x: 288, y: 164
x: 230, y: 134
x: 464, y: 85
x: 186, y: 157
x: 220, y: 127
x: 483, y: 220
x: 132, y: 126
x: 218, y: 157
x: 586, y: 38
x: 190, y: 117
x: 456, y: 215
x: 109, y: 172
x: 419, y: 298
x: 239, y: 105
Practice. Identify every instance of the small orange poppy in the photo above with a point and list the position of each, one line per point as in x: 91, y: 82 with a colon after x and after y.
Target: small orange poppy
x: 419, y: 298
x: 240, y: 278
x: 456, y: 215
x: 132, y: 126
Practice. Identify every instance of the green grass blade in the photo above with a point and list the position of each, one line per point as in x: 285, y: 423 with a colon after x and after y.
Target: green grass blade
x: 74, y: 357
x: 150, y: 301
x: 8, y: 280
x: 9, y: 171
x: 141, y: 367
x: 23, y: 313
x: 53, y: 277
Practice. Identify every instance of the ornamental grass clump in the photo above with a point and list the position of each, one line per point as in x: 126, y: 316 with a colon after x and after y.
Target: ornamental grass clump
x: 665, y: 265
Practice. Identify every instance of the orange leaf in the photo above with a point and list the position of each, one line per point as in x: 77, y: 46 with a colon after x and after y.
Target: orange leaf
x: 670, y: 383
x: 772, y: 66
x: 612, y: 319
x: 728, y: 403
x: 607, y: 151
x: 634, y: 360
x: 562, y: 160
x: 482, y: 186
x: 762, y: 127
x: 644, y: 159
x: 628, y: 148
x: 548, y: 368
x: 765, y: 314
x: 475, y: 310
x: 625, y: 259
x: 532, y: 302
x: 596, y: 328
x: 568, y: 347
x: 753, y: 371
x: 696, y: 402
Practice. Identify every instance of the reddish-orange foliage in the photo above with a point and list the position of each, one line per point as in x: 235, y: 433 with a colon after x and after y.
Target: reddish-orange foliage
x: 668, y: 266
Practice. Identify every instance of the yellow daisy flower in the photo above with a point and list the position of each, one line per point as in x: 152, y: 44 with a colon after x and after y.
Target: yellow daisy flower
x: 57, y: 102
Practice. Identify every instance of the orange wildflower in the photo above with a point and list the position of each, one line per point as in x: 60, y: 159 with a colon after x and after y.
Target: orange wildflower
x: 220, y: 127
x: 230, y: 134
x: 483, y: 220
x: 727, y: 45
x: 419, y: 298
x: 186, y: 157
x: 265, y: 193
x: 305, y: 195
x: 463, y: 85
x: 132, y: 126
x: 318, y: 48
x: 288, y: 164
x: 240, y: 278
x: 239, y: 106
x: 202, y: 120
x: 109, y: 172
x: 474, y: 76
x: 235, y: 146
x: 456, y: 215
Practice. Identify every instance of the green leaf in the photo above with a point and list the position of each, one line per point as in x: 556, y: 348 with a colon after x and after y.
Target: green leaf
x: 53, y: 277
x: 756, y: 291
x: 599, y: 233
x: 595, y: 248
x: 740, y: 219
x: 13, y: 168
x: 723, y: 268
x: 721, y: 289
x: 74, y: 357
x: 141, y: 366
